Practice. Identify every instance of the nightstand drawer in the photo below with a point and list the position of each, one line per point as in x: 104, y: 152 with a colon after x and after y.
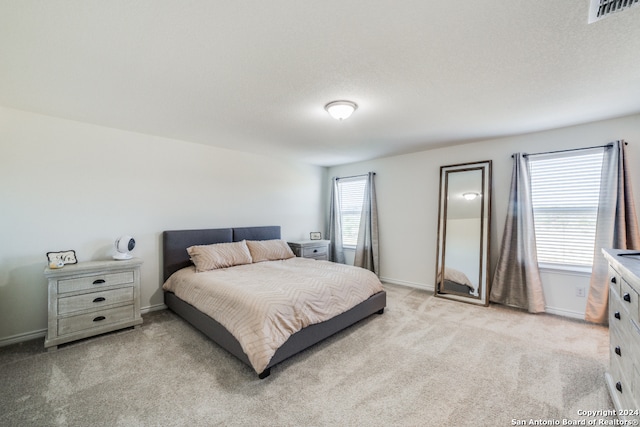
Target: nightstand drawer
x: 90, y: 298
x: 315, y: 252
x: 95, y: 300
x: 94, y: 282
x: 314, y: 249
x: 69, y: 325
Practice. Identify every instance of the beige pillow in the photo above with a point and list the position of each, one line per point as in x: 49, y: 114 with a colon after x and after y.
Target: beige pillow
x: 219, y: 255
x: 269, y: 250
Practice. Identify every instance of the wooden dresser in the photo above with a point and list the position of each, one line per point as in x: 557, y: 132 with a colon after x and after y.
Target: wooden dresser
x: 91, y: 298
x: 623, y: 378
x: 316, y: 249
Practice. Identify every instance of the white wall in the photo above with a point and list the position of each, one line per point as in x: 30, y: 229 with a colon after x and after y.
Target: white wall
x: 407, y: 193
x: 70, y: 185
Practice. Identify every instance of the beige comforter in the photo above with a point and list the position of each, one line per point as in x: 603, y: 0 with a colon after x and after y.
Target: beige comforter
x: 263, y: 304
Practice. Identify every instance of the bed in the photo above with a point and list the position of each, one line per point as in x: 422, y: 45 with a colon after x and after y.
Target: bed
x: 456, y: 281
x: 177, y: 260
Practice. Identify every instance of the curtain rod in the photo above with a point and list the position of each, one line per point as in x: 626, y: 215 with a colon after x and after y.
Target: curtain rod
x: 570, y: 149
x: 353, y: 176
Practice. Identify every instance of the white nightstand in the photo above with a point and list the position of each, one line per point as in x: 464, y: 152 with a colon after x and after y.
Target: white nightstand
x: 91, y: 298
x: 316, y: 249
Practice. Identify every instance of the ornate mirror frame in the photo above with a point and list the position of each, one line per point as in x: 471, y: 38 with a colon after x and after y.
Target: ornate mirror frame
x: 464, y: 233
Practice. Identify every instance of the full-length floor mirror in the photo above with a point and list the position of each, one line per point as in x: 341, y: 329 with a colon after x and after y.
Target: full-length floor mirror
x: 462, y: 267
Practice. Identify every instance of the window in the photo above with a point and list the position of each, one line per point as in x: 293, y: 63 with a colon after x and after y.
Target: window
x: 351, y: 197
x: 565, y: 191
x: 599, y: 9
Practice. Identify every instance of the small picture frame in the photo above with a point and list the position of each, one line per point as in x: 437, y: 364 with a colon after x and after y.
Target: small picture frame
x: 315, y: 235
x: 67, y: 257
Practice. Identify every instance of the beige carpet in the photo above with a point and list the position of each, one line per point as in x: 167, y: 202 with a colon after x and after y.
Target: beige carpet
x: 425, y: 361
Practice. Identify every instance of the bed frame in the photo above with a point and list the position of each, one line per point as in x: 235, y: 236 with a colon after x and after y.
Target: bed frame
x: 175, y: 257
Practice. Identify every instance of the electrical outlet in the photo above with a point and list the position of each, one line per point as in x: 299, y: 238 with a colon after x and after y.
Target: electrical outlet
x: 580, y: 292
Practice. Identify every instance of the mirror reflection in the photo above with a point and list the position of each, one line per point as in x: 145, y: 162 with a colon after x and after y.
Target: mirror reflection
x: 463, y: 232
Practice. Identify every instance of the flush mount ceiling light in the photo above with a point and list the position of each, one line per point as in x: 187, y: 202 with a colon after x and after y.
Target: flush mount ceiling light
x: 341, y: 110
x: 470, y: 196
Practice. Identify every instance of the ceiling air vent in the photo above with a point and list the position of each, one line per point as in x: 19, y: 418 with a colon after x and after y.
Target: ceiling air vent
x: 599, y: 9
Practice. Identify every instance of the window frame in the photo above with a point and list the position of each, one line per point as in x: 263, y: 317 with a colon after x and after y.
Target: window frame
x: 361, y: 180
x: 595, y: 173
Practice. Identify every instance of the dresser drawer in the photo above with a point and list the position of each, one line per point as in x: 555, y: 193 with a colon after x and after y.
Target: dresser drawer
x: 615, y: 370
x: 629, y: 300
x: 69, y: 325
x: 617, y: 314
x: 636, y: 383
x: 621, y: 349
x: 614, y: 280
x: 94, y: 281
x: 633, y: 332
x: 95, y: 300
x: 623, y: 378
x: 621, y: 385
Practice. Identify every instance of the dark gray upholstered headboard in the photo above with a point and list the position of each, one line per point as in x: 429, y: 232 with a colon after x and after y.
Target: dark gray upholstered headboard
x: 176, y: 242
x: 256, y: 233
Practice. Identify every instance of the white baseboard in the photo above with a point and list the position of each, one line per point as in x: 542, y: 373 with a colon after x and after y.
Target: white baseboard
x: 28, y: 336
x: 564, y: 313
x: 148, y: 309
x: 408, y: 284
x: 551, y: 310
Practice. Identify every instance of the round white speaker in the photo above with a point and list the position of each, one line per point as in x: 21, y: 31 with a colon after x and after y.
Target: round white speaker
x: 124, y: 246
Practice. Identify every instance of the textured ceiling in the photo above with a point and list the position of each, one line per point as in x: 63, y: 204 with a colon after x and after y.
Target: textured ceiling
x: 255, y: 75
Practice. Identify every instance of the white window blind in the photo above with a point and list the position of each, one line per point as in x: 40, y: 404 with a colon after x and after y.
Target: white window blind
x: 565, y: 191
x: 599, y: 9
x: 351, y: 194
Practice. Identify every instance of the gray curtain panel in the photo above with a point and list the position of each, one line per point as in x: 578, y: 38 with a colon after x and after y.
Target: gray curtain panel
x: 516, y: 281
x: 367, y: 255
x: 617, y: 227
x: 336, y: 253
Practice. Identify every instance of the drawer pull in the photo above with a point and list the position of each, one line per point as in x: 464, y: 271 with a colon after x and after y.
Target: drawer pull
x: 613, y: 279
x: 619, y: 386
x: 99, y: 299
x: 618, y: 351
x: 99, y: 318
x: 98, y: 282
x: 315, y: 250
x: 617, y: 315
x: 626, y: 297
